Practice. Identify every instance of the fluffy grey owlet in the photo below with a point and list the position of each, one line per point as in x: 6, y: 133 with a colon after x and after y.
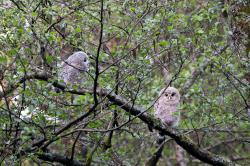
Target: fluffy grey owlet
x: 166, y: 107
x: 74, y: 68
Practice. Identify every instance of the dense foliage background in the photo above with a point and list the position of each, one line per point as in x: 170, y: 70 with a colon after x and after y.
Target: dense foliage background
x: 136, y: 48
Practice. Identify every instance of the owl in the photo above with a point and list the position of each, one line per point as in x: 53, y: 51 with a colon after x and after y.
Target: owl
x: 74, y: 68
x: 166, y: 106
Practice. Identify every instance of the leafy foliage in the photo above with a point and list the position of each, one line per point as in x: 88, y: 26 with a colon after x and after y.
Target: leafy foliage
x: 199, y: 47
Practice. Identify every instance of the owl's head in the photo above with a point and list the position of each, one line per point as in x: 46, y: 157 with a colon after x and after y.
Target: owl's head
x: 170, y: 95
x: 82, y: 59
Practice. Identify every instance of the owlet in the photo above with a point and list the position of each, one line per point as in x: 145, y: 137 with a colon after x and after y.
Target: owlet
x: 166, y: 106
x: 74, y: 68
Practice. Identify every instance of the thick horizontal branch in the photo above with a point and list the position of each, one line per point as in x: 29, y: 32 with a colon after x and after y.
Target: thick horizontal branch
x: 52, y: 157
x: 181, y: 140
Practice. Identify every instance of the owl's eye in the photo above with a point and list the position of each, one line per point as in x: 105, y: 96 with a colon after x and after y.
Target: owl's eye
x: 172, y: 94
x: 85, y: 60
x: 166, y: 94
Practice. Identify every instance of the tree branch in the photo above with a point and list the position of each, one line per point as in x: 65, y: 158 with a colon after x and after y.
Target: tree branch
x: 152, y: 161
x: 52, y: 157
x: 181, y: 140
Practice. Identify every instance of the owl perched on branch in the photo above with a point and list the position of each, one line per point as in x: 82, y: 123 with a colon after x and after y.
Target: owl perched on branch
x: 74, y: 68
x: 166, y: 106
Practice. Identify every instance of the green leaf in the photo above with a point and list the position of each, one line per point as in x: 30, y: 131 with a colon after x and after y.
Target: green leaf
x: 49, y: 58
x: 3, y: 59
x: 132, y: 9
x: 164, y: 43
x: 200, y: 31
x: 78, y: 30
x: 34, y: 14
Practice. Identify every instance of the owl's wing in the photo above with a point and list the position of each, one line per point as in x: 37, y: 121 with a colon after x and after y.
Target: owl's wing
x: 61, y: 71
x: 156, y: 109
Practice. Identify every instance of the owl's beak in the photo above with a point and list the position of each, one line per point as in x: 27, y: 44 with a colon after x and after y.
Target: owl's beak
x: 169, y: 97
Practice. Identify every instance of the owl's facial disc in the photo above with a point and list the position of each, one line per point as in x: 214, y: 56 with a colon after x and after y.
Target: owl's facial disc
x: 168, y: 95
x: 171, y: 95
